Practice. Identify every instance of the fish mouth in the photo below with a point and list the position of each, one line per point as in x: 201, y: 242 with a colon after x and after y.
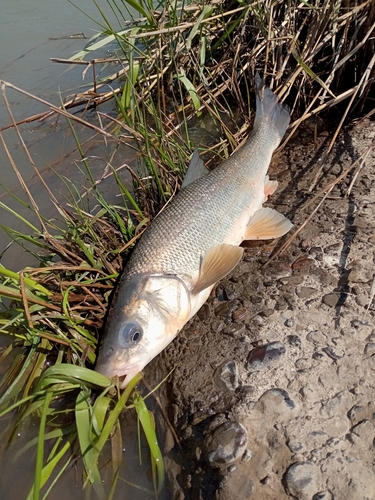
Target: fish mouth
x: 124, y: 376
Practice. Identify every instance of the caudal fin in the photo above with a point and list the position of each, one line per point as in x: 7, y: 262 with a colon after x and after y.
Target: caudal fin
x: 268, y: 106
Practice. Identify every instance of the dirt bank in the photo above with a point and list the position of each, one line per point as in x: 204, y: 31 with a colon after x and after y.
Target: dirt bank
x: 273, y: 393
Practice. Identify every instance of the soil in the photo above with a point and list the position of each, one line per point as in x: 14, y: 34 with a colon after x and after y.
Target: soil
x: 273, y: 393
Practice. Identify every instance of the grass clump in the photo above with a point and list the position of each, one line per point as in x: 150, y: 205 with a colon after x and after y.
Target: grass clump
x: 182, y: 79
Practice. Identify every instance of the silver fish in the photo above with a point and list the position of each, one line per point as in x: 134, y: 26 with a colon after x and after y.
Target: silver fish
x: 193, y: 244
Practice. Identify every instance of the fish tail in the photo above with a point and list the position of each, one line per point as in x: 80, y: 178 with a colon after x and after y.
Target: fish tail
x: 268, y: 107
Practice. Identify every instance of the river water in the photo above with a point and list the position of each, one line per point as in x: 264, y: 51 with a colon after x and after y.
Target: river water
x: 30, y: 34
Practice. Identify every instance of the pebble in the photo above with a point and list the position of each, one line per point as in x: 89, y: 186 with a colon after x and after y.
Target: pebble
x: 333, y: 299
x: 204, y: 312
x: 323, y: 495
x: 303, y: 265
x: 226, y: 376
x: 240, y: 314
x: 294, y: 340
x: 226, y: 309
x: 246, y: 456
x: 334, y: 353
x: 291, y: 280
x: 301, y: 479
x: 364, y: 430
x: 265, y: 355
x: 316, y: 337
x: 237, y: 331
x: 290, y: 322
x: 305, y: 292
x: 226, y: 444
x: 277, y: 270
x: 370, y: 349
x: 276, y: 401
x: 217, y: 325
x: 294, y: 446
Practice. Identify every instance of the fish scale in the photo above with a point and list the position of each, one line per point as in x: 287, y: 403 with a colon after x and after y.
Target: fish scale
x: 179, y: 236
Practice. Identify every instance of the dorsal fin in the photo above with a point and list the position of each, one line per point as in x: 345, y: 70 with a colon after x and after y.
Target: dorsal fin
x: 196, y: 169
x: 217, y: 263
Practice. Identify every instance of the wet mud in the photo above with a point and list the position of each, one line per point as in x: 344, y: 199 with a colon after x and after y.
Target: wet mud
x: 273, y: 394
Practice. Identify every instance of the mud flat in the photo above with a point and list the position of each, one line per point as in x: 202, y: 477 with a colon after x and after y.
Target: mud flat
x: 273, y: 391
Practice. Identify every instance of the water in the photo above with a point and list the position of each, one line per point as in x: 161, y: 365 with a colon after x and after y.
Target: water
x: 30, y: 34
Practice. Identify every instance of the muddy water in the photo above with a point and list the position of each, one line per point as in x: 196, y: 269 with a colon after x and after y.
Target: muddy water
x: 30, y: 34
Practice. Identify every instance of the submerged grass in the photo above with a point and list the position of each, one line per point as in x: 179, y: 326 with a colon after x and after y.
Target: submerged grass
x: 179, y: 68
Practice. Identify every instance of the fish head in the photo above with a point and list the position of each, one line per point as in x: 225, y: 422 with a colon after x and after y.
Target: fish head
x: 146, y: 314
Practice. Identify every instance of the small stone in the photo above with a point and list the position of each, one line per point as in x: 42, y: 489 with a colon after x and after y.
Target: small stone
x: 240, y: 314
x: 370, y: 349
x: 295, y: 446
x: 357, y: 323
x: 246, y: 456
x: 333, y: 299
x: 294, y: 340
x: 354, y: 412
x: 303, y: 265
x: 268, y: 311
x: 360, y: 272
x: 347, y: 331
x: 301, y: 479
x: 323, y: 495
x: 333, y: 249
x: 204, y: 312
x: 316, y: 253
x: 364, y: 430
x: 291, y: 280
x: 281, y: 304
x: 305, y: 292
x: 304, y: 364
x: 278, y: 270
x: 334, y: 353
x: 265, y: 355
x: 257, y: 321
x: 226, y: 376
x: 237, y: 331
x: 226, y: 309
x: 232, y: 468
x: 265, y: 480
x: 290, y: 322
x: 276, y: 400
x: 318, y: 356
x: 217, y: 325
x: 226, y: 444
x: 317, y: 337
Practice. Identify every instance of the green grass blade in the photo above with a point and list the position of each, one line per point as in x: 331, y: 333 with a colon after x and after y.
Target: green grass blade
x: 148, y: 429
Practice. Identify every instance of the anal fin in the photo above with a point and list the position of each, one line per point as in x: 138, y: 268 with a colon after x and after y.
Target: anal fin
x: 267, y: 224
x: 216, y: 264
x: 269, y: 187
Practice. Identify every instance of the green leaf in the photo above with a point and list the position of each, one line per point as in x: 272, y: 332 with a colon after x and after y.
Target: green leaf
x: 191, y: 89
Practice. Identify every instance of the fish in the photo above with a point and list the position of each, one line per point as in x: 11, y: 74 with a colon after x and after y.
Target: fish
x: 192, y: 244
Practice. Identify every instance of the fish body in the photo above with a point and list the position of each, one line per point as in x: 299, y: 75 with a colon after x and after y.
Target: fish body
x: 192, y: 244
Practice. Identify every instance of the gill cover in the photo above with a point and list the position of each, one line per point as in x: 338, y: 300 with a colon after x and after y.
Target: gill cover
x: 146, y: 314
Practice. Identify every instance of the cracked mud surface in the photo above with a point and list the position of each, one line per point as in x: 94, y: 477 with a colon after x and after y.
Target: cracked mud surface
x: 273, y: 392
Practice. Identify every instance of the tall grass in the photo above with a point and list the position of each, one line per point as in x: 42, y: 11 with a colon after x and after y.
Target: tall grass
x: 177, y: 68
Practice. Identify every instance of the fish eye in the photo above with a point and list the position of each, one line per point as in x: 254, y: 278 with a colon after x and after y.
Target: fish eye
x: 130, y: 334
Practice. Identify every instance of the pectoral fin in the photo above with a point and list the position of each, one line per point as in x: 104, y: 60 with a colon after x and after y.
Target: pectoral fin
x: 217, y: 263
x: 267, y: 224
x: 196, y: 169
